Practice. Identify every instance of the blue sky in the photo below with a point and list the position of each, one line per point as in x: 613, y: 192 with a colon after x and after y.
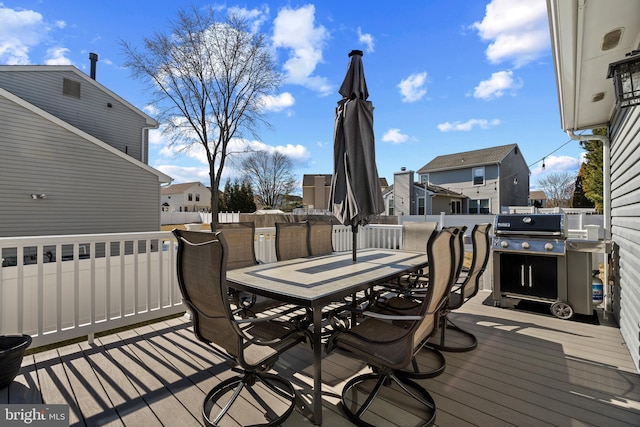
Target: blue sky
x: 443, y: 76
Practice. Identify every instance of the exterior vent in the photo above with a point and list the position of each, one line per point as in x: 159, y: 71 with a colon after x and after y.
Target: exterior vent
x: 597, y: 97
x: 612, y: 39
x: 71, y: 88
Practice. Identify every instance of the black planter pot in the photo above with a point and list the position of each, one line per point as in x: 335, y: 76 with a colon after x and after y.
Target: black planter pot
x: 12, y: 349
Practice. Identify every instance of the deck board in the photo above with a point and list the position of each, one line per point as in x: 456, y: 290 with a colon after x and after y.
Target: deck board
x: 529, y: 369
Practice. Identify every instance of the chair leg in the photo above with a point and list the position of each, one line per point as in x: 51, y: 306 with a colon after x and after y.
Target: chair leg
x: 236, y: 385
x: 358, y: 397
x: 445, y: 324
x: 414, y: 370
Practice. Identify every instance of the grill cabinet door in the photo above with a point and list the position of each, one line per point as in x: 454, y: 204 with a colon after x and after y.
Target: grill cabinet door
x: 529, y: 275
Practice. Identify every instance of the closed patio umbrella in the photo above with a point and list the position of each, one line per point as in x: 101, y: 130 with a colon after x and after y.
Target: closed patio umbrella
x: 355, y: 195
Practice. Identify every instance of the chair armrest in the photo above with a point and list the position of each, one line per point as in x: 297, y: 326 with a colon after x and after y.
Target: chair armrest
x: 389, y: 316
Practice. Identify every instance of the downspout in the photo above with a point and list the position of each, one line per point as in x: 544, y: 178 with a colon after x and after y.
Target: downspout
x: 606, y: 202
x: 606, y: 175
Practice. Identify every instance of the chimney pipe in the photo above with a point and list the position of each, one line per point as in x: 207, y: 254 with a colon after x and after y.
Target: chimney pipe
x: 93, y: 57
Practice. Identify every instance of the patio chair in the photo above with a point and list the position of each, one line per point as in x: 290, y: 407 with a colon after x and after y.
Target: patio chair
x: 320, y: 238
x: 466, y: 288
x: 240, y: 238
x: 389, y: 343
x: 252, y: 344
x: 409, y: 302
x: 292, y: 240
x: 415, y: 236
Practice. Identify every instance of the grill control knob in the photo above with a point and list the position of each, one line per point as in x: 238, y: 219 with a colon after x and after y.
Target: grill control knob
x: 504, y: 244
x: 525, y: 245
x: 548, y: 246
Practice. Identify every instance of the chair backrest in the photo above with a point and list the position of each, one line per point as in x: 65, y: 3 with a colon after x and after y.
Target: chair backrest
x: 291, y: 240
x: 458, y: 247
x: 202, y: 272
x: 481, y: 249
x: 320, y: 238
x: 442, y: 264
x: 240, y: 238
x: 415, y: 235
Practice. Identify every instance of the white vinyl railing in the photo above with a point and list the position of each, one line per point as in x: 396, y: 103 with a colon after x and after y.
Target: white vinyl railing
x: 56, y: 288
x: 88, y: 284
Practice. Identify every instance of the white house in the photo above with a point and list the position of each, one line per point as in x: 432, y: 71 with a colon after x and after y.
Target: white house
x: 187, y: 197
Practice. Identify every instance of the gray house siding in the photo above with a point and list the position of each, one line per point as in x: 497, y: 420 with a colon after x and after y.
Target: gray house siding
x: 625, y: 223
x: 461, y: 181
x: 514, y: 167
x: 88, y: 188
x: 118, y: 125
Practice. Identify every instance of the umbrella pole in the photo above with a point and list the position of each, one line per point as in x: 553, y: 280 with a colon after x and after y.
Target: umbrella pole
x: 354, y: 246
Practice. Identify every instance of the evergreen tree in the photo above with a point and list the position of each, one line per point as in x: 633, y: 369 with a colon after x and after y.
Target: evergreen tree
x: 579, y: 199
x: 593, y: 179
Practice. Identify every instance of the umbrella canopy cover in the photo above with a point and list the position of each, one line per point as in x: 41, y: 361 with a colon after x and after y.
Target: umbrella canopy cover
x: 355, y: 195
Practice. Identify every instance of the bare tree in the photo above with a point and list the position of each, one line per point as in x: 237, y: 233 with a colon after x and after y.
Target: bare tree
x: 209, y: 79
x: 559, y: 188
x: 271, y: 176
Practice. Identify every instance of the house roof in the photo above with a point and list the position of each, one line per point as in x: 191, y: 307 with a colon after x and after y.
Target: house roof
x: 537, y: 195
x: 70, y: 68
x: 485, y: 156
x: 162, y: 178
x: 180, y: 188
x: 436, y: 189
x: 308, y: 180
x: 585, y: 38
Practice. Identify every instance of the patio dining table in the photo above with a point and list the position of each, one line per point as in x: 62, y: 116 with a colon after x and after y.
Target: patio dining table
x: 316, y: 282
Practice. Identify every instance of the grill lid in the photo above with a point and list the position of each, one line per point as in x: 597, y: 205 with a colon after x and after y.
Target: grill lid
x: 534, y: 224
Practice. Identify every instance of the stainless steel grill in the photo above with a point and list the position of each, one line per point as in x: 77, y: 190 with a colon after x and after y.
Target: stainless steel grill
x: 543, y: 234
x: 530, y: 262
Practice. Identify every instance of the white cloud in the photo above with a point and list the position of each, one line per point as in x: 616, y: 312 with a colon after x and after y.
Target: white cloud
x: 516, y: 29
x: 366, y: 39
x: 496, y: 86
x: 60, y: 24
x: 412, y: 88
x: 20, y: 30
x: 256, y: 17
x: 56, y: 56
x: 294, y: 29
x: 557, y: 164
x: 278, y: 102
x: 468, y: 125
x: 394, y: 136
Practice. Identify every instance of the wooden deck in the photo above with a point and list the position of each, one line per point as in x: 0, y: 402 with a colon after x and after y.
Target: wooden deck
x: 528, y: 370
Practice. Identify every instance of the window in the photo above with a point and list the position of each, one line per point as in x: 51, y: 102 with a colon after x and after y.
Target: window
x: 456, y: 206
x: 197, y: 197
x: 479, y: 206
x: 420, y: 205
x: 390, y: 206
x: 424, y: 178
x: 478, y: 176
x: 190, y: 197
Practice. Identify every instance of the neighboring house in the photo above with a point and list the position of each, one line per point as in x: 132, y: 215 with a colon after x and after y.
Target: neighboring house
x: 187, y: 197
x: 586, y: 37
x: 537, y: 198
x: 490, y: 179
x: 73, y: 156
x: 407, y: 197
x: 316, y: 190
